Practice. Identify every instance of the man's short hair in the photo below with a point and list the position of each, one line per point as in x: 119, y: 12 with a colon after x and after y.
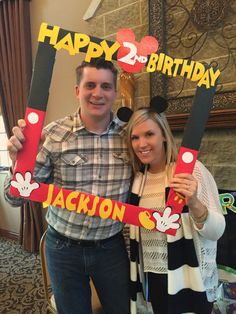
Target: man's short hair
x: 98, y: 63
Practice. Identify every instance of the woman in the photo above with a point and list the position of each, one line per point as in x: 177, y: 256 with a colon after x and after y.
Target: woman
x: 178, y: 273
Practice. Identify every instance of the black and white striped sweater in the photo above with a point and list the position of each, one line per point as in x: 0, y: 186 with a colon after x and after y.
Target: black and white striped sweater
x: 186, y: 291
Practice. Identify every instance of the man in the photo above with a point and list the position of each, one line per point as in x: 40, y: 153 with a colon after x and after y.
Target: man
x: 85, y: 152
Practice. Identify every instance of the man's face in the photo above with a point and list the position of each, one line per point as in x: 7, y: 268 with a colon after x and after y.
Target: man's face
x: 96, y: 93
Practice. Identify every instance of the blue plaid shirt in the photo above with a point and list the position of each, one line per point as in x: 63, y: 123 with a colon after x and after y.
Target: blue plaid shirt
x: 74, y: 158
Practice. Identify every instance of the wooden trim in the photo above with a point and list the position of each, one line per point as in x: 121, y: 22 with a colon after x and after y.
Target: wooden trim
x: 217, y: 119
x: 9, y: 234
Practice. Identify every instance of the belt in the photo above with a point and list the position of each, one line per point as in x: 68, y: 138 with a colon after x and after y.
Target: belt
x: 84, y: 243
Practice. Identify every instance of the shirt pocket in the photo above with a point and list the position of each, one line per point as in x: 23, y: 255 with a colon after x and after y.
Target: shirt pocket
x: 123, y: 157
x: 71, y: 159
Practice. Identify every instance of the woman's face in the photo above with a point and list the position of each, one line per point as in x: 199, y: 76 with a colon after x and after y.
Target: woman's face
x: 148, y: 145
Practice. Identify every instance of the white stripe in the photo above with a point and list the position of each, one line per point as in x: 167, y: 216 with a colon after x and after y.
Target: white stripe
x: 133, y: 307
x: 133, y: 271
x: 137, y: 183
x: 132, y: 232
x: 137, y: 233
x: 184, y: 277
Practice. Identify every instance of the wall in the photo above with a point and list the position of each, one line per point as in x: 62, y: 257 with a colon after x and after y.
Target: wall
x: 10, y: 216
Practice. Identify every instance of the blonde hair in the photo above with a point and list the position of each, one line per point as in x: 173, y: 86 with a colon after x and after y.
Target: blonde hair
x: 140, y: 116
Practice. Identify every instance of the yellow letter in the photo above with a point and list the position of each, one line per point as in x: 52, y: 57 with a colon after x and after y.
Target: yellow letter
x: 160, y: 61
x: 205, y: 80
x: 151, y: 66
x: 83, y: 204
x: 177, y: 63
x: 51, y: 33
x: 109, y: 51
x: 69, y: 204
x: 187, y: 68
x: 105, y: 208
x: 94, y: 51
x: 66, y: 43
x: 91, y: 212
x: 80, y: 41
x: 168, y: 65
x: 214, y: 76
x: 59, y: 200
x: 198, y: 71
x: 118, y: 212
x: 49, y: 197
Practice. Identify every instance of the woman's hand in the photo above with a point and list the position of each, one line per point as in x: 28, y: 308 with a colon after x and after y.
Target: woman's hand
x: 187, y: 185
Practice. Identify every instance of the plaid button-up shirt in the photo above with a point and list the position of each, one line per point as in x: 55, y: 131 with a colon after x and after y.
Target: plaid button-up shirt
x: 74, y: 158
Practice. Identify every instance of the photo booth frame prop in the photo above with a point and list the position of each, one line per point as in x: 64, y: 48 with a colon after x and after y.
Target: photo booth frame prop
x: 52, y: 39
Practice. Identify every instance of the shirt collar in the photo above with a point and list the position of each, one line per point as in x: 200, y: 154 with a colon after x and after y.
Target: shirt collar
x: 77, y: 122
x: 115, y: 123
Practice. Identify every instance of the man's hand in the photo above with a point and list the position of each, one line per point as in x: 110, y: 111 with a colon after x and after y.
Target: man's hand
x: 16, y: 141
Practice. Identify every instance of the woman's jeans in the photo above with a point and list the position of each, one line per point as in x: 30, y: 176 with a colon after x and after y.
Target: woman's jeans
x: 72, y: 263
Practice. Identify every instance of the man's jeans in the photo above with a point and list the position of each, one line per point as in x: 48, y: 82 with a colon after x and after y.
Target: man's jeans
x: 71, y: 266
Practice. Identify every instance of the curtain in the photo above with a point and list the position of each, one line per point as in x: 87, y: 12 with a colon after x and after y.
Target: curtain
x: 15, y: 76
x: 31, y: 229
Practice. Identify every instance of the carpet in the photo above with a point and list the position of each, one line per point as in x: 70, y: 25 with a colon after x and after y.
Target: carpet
x: 21, y: 284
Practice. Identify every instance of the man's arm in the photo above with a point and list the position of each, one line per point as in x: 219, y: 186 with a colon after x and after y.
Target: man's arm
x: 14, y: 145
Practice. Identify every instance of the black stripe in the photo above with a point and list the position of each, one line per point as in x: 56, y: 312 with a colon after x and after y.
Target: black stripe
x: 193, y: 128
x: 181, y: 252
x: 41, y: 78
x: 135, y: 287
x: 185, y: 209
x: 133, y: 290
x: 134, y: 250
x: 189, y: 301
x: 134, y: 199
x: 167, y: 190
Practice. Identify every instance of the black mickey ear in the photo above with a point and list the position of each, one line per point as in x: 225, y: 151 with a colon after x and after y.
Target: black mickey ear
x: 158, y: 104
x: 124, y: 114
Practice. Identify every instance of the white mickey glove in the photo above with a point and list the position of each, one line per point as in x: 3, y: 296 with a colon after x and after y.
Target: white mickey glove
x: 167, y: 221
x: 23, y: 185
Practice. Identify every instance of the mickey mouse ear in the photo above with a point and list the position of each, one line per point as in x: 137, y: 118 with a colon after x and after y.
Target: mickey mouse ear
x: 124, y: 114
x: 158, y: 104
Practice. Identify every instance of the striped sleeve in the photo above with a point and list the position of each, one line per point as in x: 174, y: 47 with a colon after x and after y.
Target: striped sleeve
x: 12, y: 200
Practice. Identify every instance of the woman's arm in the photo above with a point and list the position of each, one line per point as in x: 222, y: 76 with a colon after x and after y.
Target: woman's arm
x: 201, y: 196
